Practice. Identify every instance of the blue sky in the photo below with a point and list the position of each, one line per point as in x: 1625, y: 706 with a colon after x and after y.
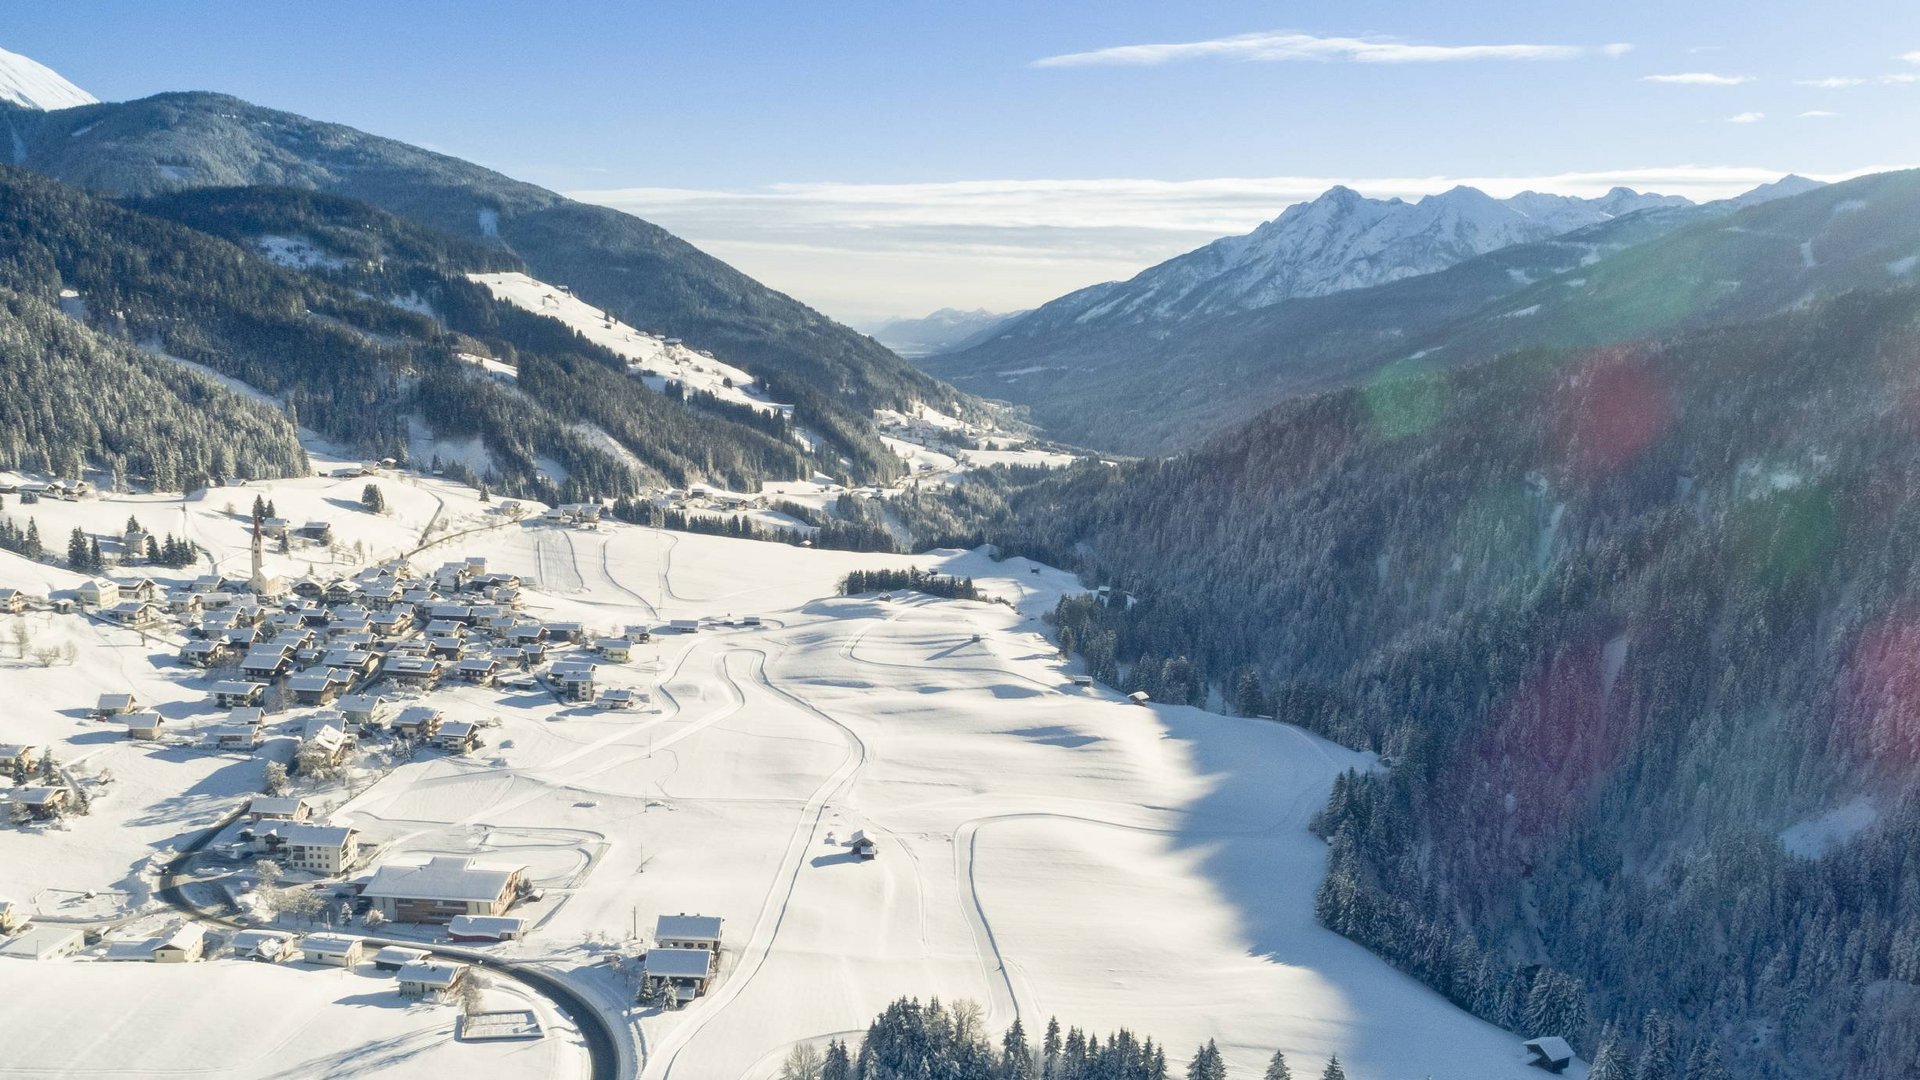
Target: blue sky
x: 891, y: 157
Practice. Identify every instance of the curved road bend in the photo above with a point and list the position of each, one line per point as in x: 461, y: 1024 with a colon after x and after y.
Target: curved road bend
x: 605, y: 1050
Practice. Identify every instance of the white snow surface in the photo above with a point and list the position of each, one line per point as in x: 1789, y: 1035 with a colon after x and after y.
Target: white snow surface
x: 1821, y: 833
x: 1043, y: 849
x: 642, y: 351
x: 26, y: 81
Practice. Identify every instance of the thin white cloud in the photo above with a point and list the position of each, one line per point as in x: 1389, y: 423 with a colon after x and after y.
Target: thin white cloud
x: 1746, y: 118
x: 1271, y: 47
x: 1912, y: 57
x: 1831, y: 82
x: 1900, y: 79
x: 1698, y: 78
x: 863, y: 251
x: 1816, y: 114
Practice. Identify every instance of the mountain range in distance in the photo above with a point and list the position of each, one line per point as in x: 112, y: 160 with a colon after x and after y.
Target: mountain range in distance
x: 946, y: 330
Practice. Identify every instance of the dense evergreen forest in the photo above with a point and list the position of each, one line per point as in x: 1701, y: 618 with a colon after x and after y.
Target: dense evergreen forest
x: 71, y: 399
x: 912, y: 1041
x: 1618, y: 619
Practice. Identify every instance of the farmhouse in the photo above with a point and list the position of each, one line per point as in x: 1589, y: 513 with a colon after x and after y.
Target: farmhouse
x: 99, y: 592
x: 321, y: 849
x: 679, y: 975
x: 12, y: 601
x: 418, y: 722
x: 619, y: 697
x: 42, y: 802
x: 485, y: 927
x: 458, y: 736
x: 430, y: 978
x: 572, y: 681
x: 233, y: 737
x: 685, y: 931
x: 395, y: 957
x: 266, y: 662
x: 278, y: 808
x: 368, y: 711
x: 1551, y: 1053
x: 205, y: 654
x: 247, y: 716
x: 133, y: 614
x: 319, y: 687
x: 44, y: 943
x: 614, y: 650
x: 329, y: 745
x: 418, y: 671
x: 115, y: 705
x: 478, y: 669
x: 447, y: 885
x: 17, y: 756
x: 144, y: 725
x: 862, y: 846
x: 263, y: 946
x: 332, y: 950
x: 234, y: 694
x: 185, y: 944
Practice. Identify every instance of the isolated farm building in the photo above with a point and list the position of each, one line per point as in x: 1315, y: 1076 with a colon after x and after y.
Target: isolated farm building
x: 685, y: 931
x: 332, y: 950
x: 619, y: 697
x: 1551, y: 1053
x: 368, y: 711
x: 232, y: 737
x: 44, y: 943
x: 477, y: 669
x: 485, y: 927
x: 418, y: 722
x: 144, y: 725
x: 458, y: 737
x: 99, y: 592
x: 263, y: 946
x: 862, y: 846
x: 42, y: 802
x: 430, y: 978
x: 1139, y: 697
x: 116, y: 705
x: 395, y: 957
x: 15, y: 756
x: 614, y: 650
x: 418, y: 671
x: 278, y: 808
x: 678, y: 974
x: 235, y: 693
x: 12, y: 601
x: 447, y: 885
x: 321, y: 849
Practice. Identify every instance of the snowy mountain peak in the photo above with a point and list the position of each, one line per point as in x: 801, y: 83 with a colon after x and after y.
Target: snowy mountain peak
x: 27, y: 82
x: 1790, y: 184
x: 1340, y: 240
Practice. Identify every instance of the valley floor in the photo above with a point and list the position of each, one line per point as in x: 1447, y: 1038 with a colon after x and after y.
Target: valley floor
x: 1044, y: 849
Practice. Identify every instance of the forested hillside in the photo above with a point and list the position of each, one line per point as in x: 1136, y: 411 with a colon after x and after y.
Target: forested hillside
x: 71, y: 400
x: 1636, y: 629
x: 362, y: 370
x: 646, y: 276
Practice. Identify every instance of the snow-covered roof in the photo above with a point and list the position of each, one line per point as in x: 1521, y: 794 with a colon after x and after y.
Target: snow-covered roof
x: 1552, y: 1047
x: 443, y: 877
x: 329, y: 943
x: 436, y: 973
x: 274, y: 804
x: 301, y: 834
x: 486, y: 925
x: 38, y: 941
x: 399, y: 954
x: 687, y: 928
x: 679, y: 963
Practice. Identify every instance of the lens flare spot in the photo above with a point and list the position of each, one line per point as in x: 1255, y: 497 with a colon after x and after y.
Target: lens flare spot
x: 1880, y: 709
x: 1404, y: 399
x: 1611, y: 408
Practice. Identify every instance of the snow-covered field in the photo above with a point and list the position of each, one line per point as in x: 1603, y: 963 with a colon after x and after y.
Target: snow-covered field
x: 1043, y: 849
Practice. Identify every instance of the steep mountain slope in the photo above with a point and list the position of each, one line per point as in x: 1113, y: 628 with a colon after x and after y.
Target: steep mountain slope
x: 1647, y: 274
x: 1630, y: 623
x: 32, y: 85
x: 646, y: 276
x: 1341, y: 240
x: 943, y: 331
x: 382, y: 344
